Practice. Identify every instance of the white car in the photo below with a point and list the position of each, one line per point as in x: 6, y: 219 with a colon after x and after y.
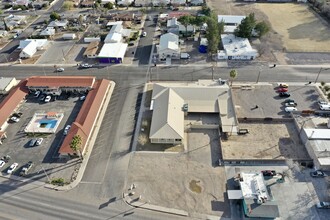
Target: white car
x: 323, y: 205
x: 144, y: 34
x: 325, y: 107
x: 60, y: 70
x: 39, y: 141
x: 82, y: 98
x: 48, y: 98
x: 66, y: 129
x: 14, y: 119
x: 290, y: 109
x: 12, y: 168
x: 2, y: 163
x: 322, y: 102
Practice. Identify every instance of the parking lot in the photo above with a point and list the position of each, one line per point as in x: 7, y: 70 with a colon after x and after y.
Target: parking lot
x: 45, y: 156
x: 266, y: 97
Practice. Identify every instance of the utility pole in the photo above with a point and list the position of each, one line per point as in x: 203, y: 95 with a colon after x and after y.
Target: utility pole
x: 317, y: 77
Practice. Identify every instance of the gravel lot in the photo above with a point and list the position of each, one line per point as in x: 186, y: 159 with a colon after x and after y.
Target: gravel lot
x: 55, y: 52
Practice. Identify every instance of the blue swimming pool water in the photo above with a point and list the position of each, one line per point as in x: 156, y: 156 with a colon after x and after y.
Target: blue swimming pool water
x: 50, y: 123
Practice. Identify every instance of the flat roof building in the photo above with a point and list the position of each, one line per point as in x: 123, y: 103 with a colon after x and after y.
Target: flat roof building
x: 6, y: 83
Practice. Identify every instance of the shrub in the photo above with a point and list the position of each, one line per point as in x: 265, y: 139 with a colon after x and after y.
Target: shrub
x: 322, y: 83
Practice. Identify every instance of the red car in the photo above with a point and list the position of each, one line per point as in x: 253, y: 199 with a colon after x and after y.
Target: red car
x: 282, y: 89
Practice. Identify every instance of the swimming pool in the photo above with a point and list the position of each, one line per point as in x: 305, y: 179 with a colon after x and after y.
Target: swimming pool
x: 48, y: 123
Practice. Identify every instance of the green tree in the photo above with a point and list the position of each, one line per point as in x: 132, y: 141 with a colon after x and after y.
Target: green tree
x: 108, y: 5
x: 261, y: 28
x: 213, y: 36
x: 206, y: 10
x: 186, y: 20
x: 76, y: 144
x: 1, y: 12
x: 55, y: 16
x: 245, y: 28
x: 67, y: 5
x: 81, y: 19
x: 232, y: 75
x: 97, y: 5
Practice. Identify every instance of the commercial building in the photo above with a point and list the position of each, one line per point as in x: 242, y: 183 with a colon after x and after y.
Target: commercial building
x: 172, y: 101
x: 6, y: 84
x: 112, y: 53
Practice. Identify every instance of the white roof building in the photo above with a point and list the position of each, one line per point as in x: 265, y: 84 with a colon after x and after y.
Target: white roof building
x: 169, y: 46
x: 143, y: 2
x: 160, y: 2
x: 231, y: 22
x: 112, y: 51
x: 49, y: 31
x: 237, y: 48
x: 6, y: 83
x: 61, y: 23
x: 196, y: 2
x: 178, y: 2
x: 125, y: 2
x: 29, y: 50
x: 103, y: 2
x: 116, y: 33
x: 40, y: 43
x: 167, y: 125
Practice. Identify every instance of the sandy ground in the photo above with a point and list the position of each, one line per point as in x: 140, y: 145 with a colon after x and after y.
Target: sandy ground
x: 294, y: 27
x: 301, y: 30
x: 265, y: 141
x: 177, y: 181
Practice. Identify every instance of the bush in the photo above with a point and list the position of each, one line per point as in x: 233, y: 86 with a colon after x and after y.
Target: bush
x: 58, y: 181
x: 322, y: 83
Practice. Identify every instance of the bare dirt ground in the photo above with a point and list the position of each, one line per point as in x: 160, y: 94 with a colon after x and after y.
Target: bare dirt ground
x: 265, y: 141
x: 294, y: 27
x: 178, y: 181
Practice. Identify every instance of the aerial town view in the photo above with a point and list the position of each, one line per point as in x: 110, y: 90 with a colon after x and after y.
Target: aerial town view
x: 164, y: 109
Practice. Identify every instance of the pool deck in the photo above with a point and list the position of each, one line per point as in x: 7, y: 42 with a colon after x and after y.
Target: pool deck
x: 39, y: 118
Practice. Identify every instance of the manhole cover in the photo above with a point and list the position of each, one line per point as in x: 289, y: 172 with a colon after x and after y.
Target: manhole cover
x: 194, y: 187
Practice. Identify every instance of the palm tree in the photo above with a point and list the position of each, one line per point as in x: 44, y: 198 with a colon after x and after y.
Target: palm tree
x: 232, y: 75
x: 75, y: 145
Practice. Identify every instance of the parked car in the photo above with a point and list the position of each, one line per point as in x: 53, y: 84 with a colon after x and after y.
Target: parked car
x: 131, y: 44
x: 2, y: 163
x: 322, y: 102
x: 144, y: 34
x: 317, y: 173
x: 323, y: 205
x: 37, y: 93
x: 6, y: 158
x: 282, y: 89
x: 290, y: 109
x: 42, y: 97
x: 60, y: 69
x: 32, y: 142
x: 48, y: 98
x: 291, y: 104
x: 325, y: 107
x: 85, y: 65
x: 82, y: 98
x: 17, y: 114
x: 66, y: 129
x: 284, y: 94
x: 12, y: 168
x: 26, y: 168
x: 268, y: 173
x: 14, y: 119
x: 289, y: 100
x: 39, y: 141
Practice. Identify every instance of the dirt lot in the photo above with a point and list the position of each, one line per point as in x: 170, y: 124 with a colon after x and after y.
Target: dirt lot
x: 298, y: 26
x: 178, y: 181
x: 265, y: 141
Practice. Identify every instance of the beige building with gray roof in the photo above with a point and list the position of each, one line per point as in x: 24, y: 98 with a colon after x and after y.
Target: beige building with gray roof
x: 172, y: 101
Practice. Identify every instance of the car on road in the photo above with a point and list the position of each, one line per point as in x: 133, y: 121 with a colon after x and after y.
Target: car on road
x: 325, y: 107
x: 284, y: 94
x: 317, y: 173
x: 290, y: 109
x: 26, y: 168
x: 32, y: 142
x: 12, y: 168
x: 14, y: 119
x: 283, y: 85
x: 292, y: 104
x: 60, y: 69
x: 144, y: 34
x: 282, y: 89
x: 66, y: 129
x: 48, y: 98
x: 268, y: 172
x: 323, y: 205
x: 85, y: 65
x: 39, y: 141
x: 2, y: 163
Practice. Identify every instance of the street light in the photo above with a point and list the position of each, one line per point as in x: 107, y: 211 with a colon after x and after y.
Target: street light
x: 321, y: 69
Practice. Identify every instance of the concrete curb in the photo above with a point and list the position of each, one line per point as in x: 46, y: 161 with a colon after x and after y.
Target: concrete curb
x: 144, y: 205
x: 89, y: 147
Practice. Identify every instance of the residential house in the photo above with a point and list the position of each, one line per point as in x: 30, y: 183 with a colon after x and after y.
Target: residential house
x: 13, y: 21
x: 22, y: 2
x: 87, y: 3
x: 236, y: 48
x: 143, y: 3
x: 3, y: 33
x: 103, y: 2
x: 160, y: 2
x: 58, y: 24
x: 231, y: 22
x: 169, y: 47
x: 38, y: 5
x: 48, y: 32
x: 125, y: 2
x: 196, y: 2
x: 172, y: 23
x: 30, y: 46
x: 127, y: 16
x: 178, y: 2
x: 116, y: 34
x: 174, y: 26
